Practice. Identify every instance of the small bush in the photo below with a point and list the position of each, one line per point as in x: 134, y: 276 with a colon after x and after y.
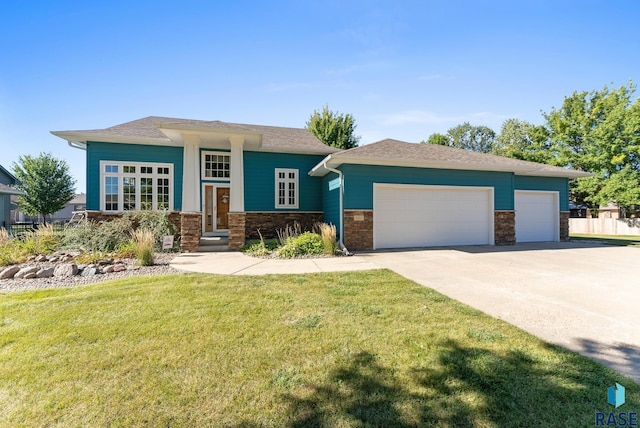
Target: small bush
x: 328, y: 234
x: 44, y: 240
x: 143, y: 246
x: 306, y: 244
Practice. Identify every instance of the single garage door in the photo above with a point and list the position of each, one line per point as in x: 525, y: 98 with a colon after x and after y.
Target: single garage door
x: 427, y: 216
x: 537, y: 216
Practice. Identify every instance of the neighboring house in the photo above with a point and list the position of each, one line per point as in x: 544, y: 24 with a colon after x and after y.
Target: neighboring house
x: 78, y: 203
x: 7, y: 181
x: 235, y: 179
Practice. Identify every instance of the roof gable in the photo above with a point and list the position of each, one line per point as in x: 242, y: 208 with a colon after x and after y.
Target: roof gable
x: 149, y: 130
x: 399, y: 153
x: 6, y: 177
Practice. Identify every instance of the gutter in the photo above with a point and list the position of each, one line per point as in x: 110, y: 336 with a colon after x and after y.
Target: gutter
x: 340, y: 176
x: 77, y: 144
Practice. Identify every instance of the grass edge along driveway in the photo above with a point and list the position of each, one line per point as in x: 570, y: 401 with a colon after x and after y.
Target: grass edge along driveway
x: 341, y: 349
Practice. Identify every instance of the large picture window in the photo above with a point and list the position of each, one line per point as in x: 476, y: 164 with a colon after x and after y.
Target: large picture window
x: 286, y: 188
x: 128, y: 186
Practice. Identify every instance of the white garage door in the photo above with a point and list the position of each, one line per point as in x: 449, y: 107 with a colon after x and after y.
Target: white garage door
x: 427, y: 216
x: 537, y: 216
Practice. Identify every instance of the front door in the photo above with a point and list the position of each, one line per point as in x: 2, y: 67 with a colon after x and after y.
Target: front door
x: 216, y: 208
x: 222, y: 204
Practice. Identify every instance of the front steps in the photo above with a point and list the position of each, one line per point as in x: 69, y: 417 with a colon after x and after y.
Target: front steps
x: 212, y: 244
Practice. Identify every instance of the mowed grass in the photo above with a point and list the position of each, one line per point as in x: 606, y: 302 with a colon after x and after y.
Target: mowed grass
x: 341, y: 349
x: 621, y: 240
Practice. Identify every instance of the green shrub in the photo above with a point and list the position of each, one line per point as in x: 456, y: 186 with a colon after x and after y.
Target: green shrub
x: 256, y: 248
x: 306, y: 244
x: 44, y: 240
x: 115, y: 235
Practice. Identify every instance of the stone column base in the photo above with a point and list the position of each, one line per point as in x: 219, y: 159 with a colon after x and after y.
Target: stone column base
x: 564, y: 226
x: 237, y: 234
x: 190, y: 231
x: 504, y: 227
x: 358, y: 230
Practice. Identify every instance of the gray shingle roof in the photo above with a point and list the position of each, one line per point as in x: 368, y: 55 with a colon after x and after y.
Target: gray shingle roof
x: 394, y: 152
x: 273, y: 137
x: 8, y: 190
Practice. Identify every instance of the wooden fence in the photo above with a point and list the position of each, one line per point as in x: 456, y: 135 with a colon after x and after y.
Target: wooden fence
x: 605, y: 226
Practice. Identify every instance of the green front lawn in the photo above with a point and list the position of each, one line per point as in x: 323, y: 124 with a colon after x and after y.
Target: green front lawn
x: 341, y: 349
x: 621, y: 240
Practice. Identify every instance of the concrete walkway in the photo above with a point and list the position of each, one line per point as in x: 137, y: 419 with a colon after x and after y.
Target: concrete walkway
x: 236, y: 263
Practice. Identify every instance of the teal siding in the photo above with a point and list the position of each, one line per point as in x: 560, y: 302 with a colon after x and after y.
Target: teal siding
x: 97, y: 152
x: 359, y: 179
x: 557, y: 184
x: 331, y: 199
x: 259, y: 180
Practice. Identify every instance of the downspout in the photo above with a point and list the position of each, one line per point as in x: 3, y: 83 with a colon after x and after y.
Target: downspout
x: 340, y: 177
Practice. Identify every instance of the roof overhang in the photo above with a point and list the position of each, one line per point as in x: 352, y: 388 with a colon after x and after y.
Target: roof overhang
x: 333, y: 161
x: 79, y: 140
x: 210, y: 137
x: 10, y: 191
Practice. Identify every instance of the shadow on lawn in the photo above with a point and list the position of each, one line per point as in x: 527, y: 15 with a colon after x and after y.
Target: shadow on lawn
x: 470, y: 387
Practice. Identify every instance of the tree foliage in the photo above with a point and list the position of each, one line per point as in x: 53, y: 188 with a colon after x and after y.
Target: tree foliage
x: 438, y: 139
x: 47, y: 185
x: 520, y: 139
x: 467, y: 137
x: 333, y: 128
x: 599, y: 131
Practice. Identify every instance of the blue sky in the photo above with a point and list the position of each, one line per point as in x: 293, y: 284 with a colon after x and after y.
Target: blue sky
x: 404, y: 69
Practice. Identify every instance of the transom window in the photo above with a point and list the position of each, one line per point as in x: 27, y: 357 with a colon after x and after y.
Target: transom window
x: 286, y: 188
x: 128, y: 186
x: 216, y: 165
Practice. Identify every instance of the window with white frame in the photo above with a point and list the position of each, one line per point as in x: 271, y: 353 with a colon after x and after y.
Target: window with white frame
x: 128, y: 186
x: 286, y: 188
x: 216, y: 165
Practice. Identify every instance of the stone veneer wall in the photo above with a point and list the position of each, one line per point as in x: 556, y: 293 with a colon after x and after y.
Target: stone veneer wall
x: 564, y: 226
x: 237, y: 234
x: 504, y: 227
x: 270, y: 222
x: 358, y: 230
x: 190, y: 231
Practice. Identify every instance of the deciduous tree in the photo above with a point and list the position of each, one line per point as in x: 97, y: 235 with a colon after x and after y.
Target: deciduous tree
x: 47, y: 185
x: 333, y: 128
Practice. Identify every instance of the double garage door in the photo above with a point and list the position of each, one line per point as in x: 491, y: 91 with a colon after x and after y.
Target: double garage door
x: 407, y: 216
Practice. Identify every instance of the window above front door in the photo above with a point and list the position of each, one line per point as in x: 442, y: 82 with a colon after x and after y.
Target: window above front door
x: 216, y: 165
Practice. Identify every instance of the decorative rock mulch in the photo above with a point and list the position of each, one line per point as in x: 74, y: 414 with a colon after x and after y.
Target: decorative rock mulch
x: 61, y: 270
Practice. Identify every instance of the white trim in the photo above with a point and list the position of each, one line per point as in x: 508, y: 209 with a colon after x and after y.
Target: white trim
x: 287, y: 180
x: 216, y: 231
x: 556, y: 211
x: 491, y: 190
x: 137, y: 175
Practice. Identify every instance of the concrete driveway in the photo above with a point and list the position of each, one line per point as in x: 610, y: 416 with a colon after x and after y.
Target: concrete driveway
x: 584, y: 297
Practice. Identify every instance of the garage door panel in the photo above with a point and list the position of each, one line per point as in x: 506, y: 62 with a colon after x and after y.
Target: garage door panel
x: 536, y: 216
x: 420, y: 216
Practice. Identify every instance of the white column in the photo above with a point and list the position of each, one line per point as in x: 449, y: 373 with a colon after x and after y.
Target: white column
x: 236, y: 203
x: 191, y: 175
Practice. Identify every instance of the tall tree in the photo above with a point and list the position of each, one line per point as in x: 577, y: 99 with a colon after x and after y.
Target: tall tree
x: 333, y: 128
x: 520, y: 139
x: 437, y: 138
x: 598, y: 131
x: 474, y: 138
x: 467, y: 137
x: 47, y: 185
